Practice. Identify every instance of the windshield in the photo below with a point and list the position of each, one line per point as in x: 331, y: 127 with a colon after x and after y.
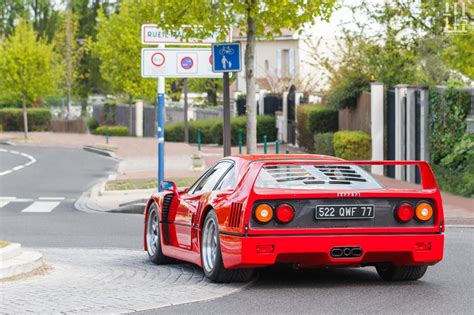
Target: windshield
x: 324, y: 177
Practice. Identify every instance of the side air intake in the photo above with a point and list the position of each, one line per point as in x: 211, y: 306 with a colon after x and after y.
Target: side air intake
x: 235, y: 214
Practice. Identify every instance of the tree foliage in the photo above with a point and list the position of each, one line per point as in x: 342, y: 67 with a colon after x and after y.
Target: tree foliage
x: 255, y: 19
x: 28, y: 67
x: 118, y: 47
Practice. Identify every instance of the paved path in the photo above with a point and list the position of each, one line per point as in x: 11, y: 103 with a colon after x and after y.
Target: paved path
x: 107, y: 281
x: 447, y: 288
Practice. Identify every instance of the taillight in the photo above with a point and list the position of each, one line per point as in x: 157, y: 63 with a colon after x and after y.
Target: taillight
x: 264, y: 213
x: 405, y: 212
x: 424, y: 211
x: 285, y: 213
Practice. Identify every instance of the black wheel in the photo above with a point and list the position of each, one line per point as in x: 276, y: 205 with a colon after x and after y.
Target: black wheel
x: 389, y: 272
x: 211, y: 255
x: 153, y: 238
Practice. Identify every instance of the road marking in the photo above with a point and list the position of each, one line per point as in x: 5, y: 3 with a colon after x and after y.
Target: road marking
x: 3, y: 203
x: 32, y: 160
x: 51, y: 198
x: 7, y: 198
x: 41, y: 206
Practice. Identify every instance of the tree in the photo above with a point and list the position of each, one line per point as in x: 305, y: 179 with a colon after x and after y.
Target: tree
x: 28, y: 68
x: 210, y: 86
x: 118, y: 47
x: 10, y: 11
x: 256, y: 18
x: 460, y: 54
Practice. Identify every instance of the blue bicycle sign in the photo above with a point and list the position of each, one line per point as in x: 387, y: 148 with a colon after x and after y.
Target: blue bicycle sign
x: 226, y: 50
x: 226, y: 57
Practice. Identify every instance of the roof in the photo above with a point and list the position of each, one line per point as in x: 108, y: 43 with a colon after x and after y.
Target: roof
x: 268, y: 157
x: 286, y: 34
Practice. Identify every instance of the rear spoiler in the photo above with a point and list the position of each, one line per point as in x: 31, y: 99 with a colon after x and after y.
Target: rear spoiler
x: 428, y: 181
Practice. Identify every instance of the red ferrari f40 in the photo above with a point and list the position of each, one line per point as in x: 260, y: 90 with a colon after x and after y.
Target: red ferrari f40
x: 311, y: 211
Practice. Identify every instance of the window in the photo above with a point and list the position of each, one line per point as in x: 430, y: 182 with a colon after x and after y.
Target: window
x: 209, y: 181
x: 285, y: 63
x: 326, y: 177
x: 229, y: 181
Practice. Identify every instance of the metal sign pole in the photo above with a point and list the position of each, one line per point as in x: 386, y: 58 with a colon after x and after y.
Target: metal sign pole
x: 227, y: 132
x: 186, y: 128
x: 160, y: 130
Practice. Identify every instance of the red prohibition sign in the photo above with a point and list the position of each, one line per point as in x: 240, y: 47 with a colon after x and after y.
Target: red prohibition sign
x: 210, y: 59
x: 187, y: 63
x: 158, y: 59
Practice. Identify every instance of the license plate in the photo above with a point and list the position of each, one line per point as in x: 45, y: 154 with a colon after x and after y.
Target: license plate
x: 345, y: 212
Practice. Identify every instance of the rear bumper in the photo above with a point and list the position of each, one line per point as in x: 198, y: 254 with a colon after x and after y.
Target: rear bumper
x: 314, y: 250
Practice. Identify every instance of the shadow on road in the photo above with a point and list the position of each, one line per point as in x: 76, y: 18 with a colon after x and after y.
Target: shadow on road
x: 286, y: 277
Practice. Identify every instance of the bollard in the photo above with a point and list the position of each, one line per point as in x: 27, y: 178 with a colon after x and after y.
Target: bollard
x: 199, y: 139
x: 287, y: 151
x: 277, y: 146
x: 240, y: 141
x: 106, y: 134
x: 264, y: 144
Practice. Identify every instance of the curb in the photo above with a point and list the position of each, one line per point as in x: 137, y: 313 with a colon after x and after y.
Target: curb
x: 93, y: 149
x: 15, y: 262
x: 6, y: 142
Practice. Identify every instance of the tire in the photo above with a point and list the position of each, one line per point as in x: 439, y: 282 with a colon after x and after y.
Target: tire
x: 211, y: 255
x: 153, y: 238
x: 389, y: 272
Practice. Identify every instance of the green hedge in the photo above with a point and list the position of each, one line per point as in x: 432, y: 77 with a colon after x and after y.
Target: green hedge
x: 448, y: 112
x: 352, y: 145
x: 92, y: 124
x: 322, y: 119
x: 211, y: 130
x: 313, y: 119
x: 323, y: 143
x: 455, y: 173
x: 452, y: 149
x: 39, y: 119
x: 113, y: 130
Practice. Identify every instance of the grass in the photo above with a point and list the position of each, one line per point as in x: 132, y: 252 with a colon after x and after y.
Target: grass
x: 4, y: 243
x: 148, y: 183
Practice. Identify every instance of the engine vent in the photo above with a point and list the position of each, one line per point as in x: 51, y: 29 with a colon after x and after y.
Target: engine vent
x: 166, y: 207
x: 340, y: 174
x: 235, y: 214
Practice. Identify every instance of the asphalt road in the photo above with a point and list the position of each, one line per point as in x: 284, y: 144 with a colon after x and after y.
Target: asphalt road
x: 58, y: 177
x: 446, y: 288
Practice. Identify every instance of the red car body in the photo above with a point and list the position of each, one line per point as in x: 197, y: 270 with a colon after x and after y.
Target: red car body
x: 306, y: 241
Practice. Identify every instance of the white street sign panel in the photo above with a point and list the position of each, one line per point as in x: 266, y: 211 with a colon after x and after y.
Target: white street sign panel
x: 177, y: 63
x: 153, y: 35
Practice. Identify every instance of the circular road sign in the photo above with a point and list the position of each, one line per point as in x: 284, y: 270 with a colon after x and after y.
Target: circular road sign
x: 187, y: 63
x: 210, y: 59
x: 158, y: 59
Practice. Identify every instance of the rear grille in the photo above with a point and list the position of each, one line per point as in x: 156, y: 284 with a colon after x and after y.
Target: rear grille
x: 340, y: 174
x: 235, y: 214
x: 166, y: 207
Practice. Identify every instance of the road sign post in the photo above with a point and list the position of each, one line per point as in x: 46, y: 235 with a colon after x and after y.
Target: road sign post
x: 164, y: 63
x: 186, y: 127
x: 226, y: 58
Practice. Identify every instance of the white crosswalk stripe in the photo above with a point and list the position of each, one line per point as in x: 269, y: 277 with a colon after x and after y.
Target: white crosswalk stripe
x: 37, y: 205
x: 3, y: 203
x: 41, y: 206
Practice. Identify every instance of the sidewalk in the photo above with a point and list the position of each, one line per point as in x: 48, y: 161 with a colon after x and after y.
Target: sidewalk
x: 139, y: 160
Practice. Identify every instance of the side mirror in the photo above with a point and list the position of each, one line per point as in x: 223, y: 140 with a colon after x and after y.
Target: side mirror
x: 167, y: 185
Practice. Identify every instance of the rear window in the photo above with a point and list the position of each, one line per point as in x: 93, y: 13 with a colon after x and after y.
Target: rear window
x: 324, y: 177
